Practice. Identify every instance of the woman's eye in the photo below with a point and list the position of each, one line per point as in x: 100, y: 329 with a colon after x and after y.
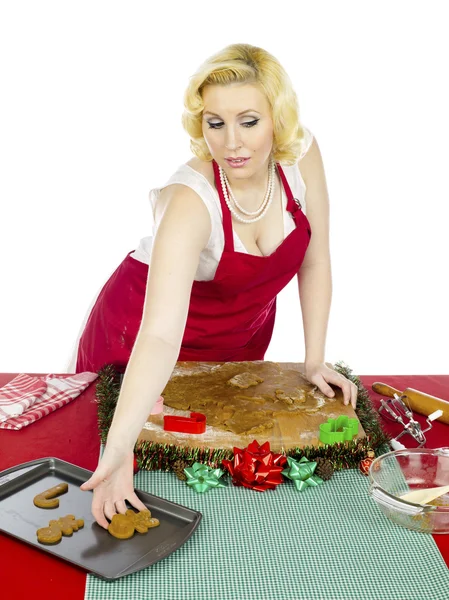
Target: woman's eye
x: 250, y: 123
x: 220, y: 124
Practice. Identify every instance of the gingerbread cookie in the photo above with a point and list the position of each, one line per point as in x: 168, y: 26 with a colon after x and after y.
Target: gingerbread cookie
x: 68, y: 524
x: 57, y: 528
x: 49, y: 535
x: 292, y: 397
x: 123, y: 526
x: 142, y: 520
x: 48, y: 498
x: 245, y: 380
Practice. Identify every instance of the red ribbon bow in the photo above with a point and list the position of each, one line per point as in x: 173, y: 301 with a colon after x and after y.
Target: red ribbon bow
x: 256, y: 467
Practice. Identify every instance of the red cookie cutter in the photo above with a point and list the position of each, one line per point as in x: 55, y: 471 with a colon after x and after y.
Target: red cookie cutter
x: 196, y: 423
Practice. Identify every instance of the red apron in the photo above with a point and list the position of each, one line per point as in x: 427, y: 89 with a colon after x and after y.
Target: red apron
x: 230, y: 318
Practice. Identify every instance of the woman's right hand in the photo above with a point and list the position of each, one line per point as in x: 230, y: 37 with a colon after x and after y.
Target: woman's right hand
x: 112, y: 483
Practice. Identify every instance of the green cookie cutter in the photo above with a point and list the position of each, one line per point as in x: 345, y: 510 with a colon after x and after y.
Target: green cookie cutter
x: 341, y: 429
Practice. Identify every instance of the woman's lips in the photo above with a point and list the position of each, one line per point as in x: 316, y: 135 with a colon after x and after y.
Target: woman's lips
x: 236, y: 164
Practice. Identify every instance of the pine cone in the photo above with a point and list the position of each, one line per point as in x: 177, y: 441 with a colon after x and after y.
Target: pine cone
x: 324, y: 468
x: 178, y: 469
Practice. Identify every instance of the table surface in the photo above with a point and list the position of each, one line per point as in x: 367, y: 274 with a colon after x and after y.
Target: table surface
x: 71, y: 434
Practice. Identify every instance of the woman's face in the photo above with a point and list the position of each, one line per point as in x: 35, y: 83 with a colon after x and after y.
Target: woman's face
x: 237, y: 123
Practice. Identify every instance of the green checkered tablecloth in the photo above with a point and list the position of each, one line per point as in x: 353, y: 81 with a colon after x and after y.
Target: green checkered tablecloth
x: 331, y: 542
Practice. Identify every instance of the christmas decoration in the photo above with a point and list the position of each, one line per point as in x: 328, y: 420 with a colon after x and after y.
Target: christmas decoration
x: 301, y: 472
x: 366, y: 462
x: 136, y: 467
x: 324, y: 468
x: 202, y: 478
x: 368, y: 416
x: 161, y: 457
x: 107, y: 391
x: 178, y: 469
x: 256, y: 467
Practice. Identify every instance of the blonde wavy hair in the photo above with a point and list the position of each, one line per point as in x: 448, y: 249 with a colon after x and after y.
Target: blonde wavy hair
x: 243, y: 63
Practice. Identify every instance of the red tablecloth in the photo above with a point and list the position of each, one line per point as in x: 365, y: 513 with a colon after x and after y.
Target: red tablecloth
x: 70, y: 434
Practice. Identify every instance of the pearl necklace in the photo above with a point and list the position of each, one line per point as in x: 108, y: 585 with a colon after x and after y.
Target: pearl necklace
x: 262, y: 210
x: 267, y: 194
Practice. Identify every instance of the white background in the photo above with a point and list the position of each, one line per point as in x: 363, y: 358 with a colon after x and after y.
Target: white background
x: 91, y: 104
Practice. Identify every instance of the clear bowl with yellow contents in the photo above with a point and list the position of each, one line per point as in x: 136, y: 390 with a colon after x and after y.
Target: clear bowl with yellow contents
x: 397, y: 474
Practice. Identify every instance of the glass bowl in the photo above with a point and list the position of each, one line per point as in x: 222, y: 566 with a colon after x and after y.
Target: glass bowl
x: 396, y: 473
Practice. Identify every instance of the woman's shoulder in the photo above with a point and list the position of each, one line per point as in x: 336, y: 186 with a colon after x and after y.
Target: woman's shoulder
x: 201, y: 167
x: 189, y: 180
x: 193, y: 174
x: 306, y: 142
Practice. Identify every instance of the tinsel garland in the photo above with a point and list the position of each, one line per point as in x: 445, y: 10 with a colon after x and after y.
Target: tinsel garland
x: 155, y: 456
x: 106, y: 393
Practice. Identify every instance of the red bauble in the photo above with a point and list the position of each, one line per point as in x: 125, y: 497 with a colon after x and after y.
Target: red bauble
x: 365, y: 464
x: 135, y: 465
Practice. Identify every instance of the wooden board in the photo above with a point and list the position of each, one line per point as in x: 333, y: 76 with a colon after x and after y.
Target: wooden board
x: 297, y: 429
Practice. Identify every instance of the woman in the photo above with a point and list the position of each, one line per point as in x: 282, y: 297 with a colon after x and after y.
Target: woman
x: 228, y: 236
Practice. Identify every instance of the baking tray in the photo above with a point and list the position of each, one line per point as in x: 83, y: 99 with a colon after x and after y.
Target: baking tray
x: 91, y: 547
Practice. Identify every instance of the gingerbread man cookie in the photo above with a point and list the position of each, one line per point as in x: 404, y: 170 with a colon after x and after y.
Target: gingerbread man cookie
x: 57, y: 528
x: 69, y: 524
x: 48, y: 498
x: 142, y: 520
x: 123, y: 526
x: 49, y: 535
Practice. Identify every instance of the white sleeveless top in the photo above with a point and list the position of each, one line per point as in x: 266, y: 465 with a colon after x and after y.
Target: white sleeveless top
x: 211, y: 254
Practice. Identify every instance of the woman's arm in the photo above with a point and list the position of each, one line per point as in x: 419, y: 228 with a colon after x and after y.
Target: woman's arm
x: 182, y: 234
x: 315, y: 279
x: 314, y: 276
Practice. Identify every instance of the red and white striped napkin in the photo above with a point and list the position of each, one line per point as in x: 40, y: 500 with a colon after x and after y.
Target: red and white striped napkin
x: 19, y: 394
x: 27, y: 399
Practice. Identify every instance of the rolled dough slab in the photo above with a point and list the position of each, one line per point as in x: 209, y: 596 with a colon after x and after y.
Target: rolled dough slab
x: 291, y: 428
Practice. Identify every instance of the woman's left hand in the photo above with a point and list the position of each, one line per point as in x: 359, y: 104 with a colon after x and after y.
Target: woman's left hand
x: 321, y: 375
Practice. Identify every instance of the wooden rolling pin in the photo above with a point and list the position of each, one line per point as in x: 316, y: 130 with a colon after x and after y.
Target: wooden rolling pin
x: 422, y: 403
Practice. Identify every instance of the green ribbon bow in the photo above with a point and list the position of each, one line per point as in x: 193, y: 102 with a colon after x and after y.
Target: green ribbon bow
x: 301, y: 473
x: 201, y: 477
